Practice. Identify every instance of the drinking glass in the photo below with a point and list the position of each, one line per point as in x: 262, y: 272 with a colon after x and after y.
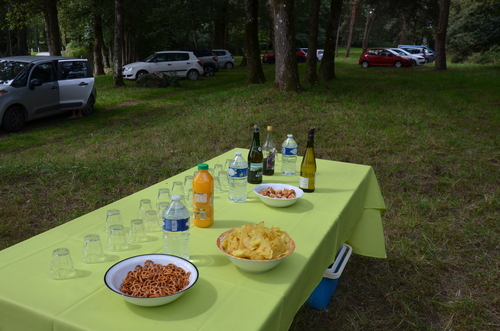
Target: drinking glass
x: 61, y: 266
x: 226, y: 165
x: 113, y: 216
x: 188, y: 183
x: 151, y: 221
x: 161, y: 208
x: 92, y: 249
x: 217, y: 185
x: 163, y: 195
x: 137, y: 232
x: 116, y: 238
x: 217, y: 169
x: 178, y: 188
x: 144, y: 206
x: 224, y: 181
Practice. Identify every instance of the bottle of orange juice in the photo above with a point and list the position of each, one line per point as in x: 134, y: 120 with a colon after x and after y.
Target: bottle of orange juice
x: 203, y: 197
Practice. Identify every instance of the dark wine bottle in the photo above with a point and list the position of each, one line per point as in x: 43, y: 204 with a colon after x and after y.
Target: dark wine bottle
x: 308, y: 167
x: 255, y: 158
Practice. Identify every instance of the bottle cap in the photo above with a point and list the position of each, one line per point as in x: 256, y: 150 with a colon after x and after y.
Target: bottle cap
x: 176, y: 197
x: 202, y: 166
x: 289, y: 135
x: 269, y: 128
x: 238, y: 153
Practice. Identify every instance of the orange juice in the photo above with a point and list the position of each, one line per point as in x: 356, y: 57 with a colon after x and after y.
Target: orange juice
x: 203, y: 197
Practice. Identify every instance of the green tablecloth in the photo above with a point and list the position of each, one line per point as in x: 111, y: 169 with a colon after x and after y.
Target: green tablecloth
x: 345, y: 207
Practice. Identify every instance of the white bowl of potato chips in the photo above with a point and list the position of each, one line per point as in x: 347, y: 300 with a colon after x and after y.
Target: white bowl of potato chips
x: 278, y: 195
x: 256, y: 248
x: 152, y: 279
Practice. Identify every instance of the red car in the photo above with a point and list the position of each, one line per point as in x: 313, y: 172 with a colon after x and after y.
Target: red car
x: 383, y: 57
x: 271, y: 57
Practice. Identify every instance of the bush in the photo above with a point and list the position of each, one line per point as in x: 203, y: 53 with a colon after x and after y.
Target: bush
x: 74, y: 49
x: 159, y: 79
x: 487, y: 57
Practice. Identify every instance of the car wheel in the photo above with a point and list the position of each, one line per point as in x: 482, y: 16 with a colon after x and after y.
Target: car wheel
x: 13, y: 119
x: 365, y: 64
x: 89, y: 107
x: 141, y: 73
x: 193, y: 75
x: 209, y: 71
x: 398, y: 64
x: 300, y: 59
x: 271, y: 60
x: 427, y: 60
x: 229, y: 66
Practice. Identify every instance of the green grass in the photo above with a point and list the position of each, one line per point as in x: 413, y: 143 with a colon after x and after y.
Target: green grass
x: 431, y: 137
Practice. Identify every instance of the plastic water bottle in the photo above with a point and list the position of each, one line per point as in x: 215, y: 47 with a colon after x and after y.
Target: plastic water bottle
x: 237, y: 176
x: 176, y: 228
x: 289, y: 156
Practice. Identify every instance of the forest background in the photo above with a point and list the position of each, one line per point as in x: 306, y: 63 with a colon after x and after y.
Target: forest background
x: 87, y: 26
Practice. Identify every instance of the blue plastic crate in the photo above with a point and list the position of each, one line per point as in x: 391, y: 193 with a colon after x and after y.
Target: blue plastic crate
x: 322, y: 294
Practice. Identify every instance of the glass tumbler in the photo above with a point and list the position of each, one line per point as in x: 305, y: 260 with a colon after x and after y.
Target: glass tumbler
x: 61, y: 266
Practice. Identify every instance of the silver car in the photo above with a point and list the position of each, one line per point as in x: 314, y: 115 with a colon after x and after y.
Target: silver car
x: 226, y: 59
x: 419, y: 60
x: 178, y: 63
x: 33, y: 87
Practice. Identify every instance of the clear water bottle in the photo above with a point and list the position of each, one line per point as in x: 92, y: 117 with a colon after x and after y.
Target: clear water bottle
x: 289, y: 156
x: 176, y: 228
x: 237, y: 176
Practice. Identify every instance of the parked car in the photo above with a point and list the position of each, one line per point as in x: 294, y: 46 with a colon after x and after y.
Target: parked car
x: 226, y: 59
x: 319, y: 54
x: 425, y: 52
x: 210, y: 60
x: 383, y: 57
x: 417, y: 59
x: 179, y: 63
x: 33, y: 87
x: 270, y: 58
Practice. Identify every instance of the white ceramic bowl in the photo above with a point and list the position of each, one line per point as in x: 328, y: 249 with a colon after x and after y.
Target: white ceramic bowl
x: 253, y: 266
x: 116, y: 274
x: 275, y: 202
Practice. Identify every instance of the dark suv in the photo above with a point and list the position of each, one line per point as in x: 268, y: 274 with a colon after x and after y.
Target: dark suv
x: 209, y: 60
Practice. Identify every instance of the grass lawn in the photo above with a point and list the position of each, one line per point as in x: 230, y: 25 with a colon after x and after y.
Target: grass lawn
x: 433, y: 139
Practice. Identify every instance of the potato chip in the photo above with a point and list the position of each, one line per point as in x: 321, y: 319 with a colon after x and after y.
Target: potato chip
x: 257, y: 242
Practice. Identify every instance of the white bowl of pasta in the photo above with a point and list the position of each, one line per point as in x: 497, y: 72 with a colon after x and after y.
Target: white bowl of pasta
x: 152, y: 279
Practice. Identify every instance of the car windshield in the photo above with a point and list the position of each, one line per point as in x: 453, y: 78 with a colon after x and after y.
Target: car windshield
x: 9, y: 70
x: 400, y: 52
x: 149, y: 58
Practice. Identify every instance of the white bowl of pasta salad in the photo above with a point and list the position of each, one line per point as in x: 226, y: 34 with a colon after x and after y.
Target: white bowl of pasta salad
x: 152, y: 279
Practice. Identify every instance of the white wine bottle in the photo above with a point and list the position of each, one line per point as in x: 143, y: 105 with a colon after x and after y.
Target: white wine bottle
x: 308, y: 167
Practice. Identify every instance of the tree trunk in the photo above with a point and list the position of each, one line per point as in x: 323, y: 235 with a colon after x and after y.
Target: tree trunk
x: 444, y: 12
x: 118, y: 45
x: 220, y: 26
x: 402, y: 39
x: 327, y: 68
x: 255, y: 72
x: 98, y: 39
x: 368, y: 27
x: 287, y: 71
x: 312, y: 59
x: 52, y: 26
x: 354, y: 7
x: 22, y: 41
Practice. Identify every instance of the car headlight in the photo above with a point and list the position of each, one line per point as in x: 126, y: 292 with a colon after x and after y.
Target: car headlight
x: 126, y: 69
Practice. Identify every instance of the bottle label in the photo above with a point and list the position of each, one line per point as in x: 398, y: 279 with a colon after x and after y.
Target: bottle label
x: 307, y: 183
x: 176, y: 225
x: 289, y: 151
x: 270, y: 160
x: 257, y: 169
x: 235, y: 172
x: 201, y: 197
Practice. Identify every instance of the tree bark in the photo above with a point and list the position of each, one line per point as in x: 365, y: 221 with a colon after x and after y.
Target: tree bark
x: 22, y: 40
x: 327, y: 68
x: 368, y: 27
x: 52, y: 27
x: 118, y: 45
x: 287, y: 71
x: 98, y: 39
x: 312, y: 59
x: 444, y: 12
x: 354, y: 8
x: 255, y: 73
x: 403, y: 30
x: 220, y: 26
